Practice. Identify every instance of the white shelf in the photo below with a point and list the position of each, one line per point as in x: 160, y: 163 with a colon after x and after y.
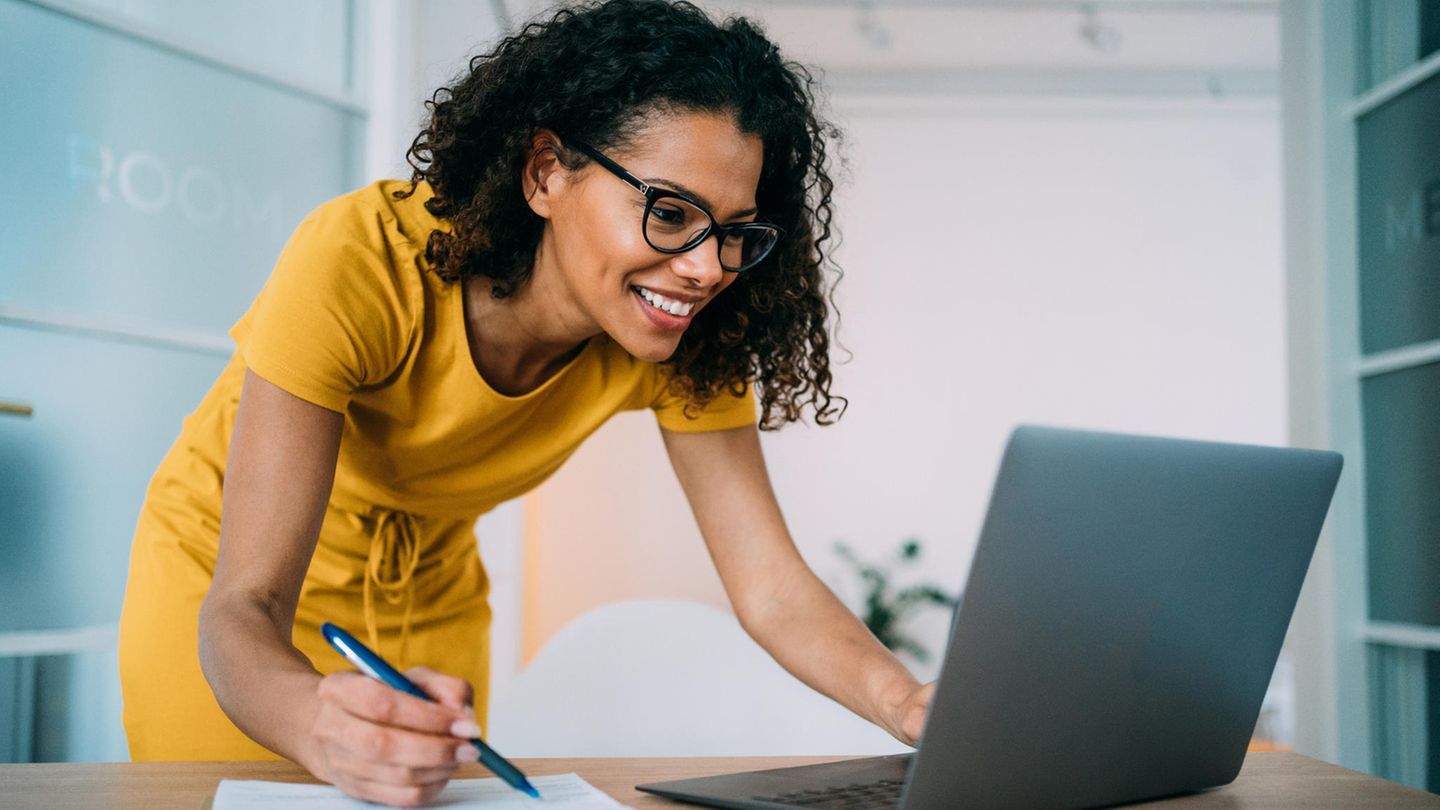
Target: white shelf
x: 29, y: 643
x: 1395, y: 634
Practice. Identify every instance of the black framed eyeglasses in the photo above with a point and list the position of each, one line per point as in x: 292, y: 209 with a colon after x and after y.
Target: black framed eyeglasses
x: 675, y: 223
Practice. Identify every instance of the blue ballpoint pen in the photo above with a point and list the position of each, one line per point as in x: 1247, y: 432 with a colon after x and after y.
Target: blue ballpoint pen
x: 373, y: 665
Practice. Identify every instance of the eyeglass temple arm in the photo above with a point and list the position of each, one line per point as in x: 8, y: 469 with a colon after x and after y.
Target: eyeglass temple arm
x: 594, y: 154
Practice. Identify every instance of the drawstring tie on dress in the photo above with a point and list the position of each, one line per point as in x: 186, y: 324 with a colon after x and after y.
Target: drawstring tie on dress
x: 390, y: 569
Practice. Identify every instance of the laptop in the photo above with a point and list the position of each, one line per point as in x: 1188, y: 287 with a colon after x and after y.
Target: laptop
x: 1115, y: 638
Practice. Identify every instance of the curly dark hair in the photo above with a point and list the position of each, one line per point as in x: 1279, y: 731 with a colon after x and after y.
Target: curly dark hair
x: 595, y: 72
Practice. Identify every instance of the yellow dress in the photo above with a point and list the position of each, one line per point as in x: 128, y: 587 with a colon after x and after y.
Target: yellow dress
x: 352, y: 320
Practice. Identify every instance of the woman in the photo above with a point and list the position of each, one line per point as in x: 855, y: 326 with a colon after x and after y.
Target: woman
x: 425, y: 351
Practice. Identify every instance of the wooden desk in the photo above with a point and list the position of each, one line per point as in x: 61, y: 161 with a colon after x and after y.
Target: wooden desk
x: 1269, y: 780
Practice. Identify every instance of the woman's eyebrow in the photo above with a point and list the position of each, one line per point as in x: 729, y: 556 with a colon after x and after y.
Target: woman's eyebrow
x: 661, y: 181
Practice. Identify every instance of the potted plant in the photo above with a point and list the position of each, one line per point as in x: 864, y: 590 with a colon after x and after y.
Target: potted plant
x: 886, y: 607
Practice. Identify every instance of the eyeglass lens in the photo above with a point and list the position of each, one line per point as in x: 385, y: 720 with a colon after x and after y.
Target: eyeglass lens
x: 673, y: 224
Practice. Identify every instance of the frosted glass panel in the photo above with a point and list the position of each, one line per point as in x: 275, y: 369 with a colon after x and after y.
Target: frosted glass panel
x: 1432, y: 723
x: 1399, y: 206
x: 141, y: 186
x: 75, y: 472
x: 305, y: 41
x: 1402, y: 494
x: 1395, y: 34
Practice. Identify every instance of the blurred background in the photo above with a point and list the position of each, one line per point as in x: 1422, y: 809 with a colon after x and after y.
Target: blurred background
x: 1215, y: 219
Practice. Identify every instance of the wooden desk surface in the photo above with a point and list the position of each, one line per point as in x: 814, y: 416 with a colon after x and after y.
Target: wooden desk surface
x: 1268, y: 780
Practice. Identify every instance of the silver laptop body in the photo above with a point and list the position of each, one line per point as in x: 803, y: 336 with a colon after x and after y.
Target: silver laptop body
x: 1115, y: 639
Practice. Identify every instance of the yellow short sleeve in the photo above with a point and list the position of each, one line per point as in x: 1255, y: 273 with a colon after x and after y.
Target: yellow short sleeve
x: 337, y: 312
x: 722, y: 413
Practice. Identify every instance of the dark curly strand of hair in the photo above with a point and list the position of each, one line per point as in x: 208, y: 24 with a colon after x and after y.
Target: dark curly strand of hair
x: 596, y: 71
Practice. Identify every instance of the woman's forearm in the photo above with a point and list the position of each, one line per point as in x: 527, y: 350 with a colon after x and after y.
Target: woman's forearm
x: 278, y: 477
x: 817, y: 639
x: 779, y: 600
x: 266, y: 686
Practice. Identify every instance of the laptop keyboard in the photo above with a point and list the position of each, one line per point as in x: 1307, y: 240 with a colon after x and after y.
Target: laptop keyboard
x: 882, y: 795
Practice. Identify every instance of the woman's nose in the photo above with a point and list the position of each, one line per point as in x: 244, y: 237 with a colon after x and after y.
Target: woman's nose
x: 700, y: 265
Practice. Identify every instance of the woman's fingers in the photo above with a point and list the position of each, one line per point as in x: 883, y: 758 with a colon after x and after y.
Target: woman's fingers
x: 380, y: 744
x: 394, y: 795
x: 372, y: 723
x: 363, y: 756
x: 402, y: 776
x: 386, y: 746
x: 376, y: 702
x: 375, y: 744
x: 450, y: 691
x: 912, y: 724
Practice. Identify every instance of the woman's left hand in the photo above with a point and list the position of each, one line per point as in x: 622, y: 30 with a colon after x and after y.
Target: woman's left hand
x: 907, y: 717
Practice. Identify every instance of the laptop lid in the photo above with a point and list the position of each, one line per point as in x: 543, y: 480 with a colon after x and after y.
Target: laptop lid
x: 1122, y: 617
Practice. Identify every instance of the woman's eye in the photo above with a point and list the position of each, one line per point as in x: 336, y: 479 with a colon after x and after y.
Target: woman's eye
x: 668, y: 215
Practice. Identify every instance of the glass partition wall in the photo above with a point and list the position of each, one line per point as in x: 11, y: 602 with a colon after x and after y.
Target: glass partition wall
x: 157, y: 154
x: 1380, y: 61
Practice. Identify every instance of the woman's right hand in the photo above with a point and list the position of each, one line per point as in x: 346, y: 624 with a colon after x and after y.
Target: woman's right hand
x: 379, y: 744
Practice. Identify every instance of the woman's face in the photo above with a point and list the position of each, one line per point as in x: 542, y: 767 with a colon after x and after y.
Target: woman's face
x: 594, y: 242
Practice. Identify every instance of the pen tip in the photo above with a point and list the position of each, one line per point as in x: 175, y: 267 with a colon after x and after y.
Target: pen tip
x: 530, y: 789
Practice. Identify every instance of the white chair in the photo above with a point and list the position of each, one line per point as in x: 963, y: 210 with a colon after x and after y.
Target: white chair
x: 668, y: 678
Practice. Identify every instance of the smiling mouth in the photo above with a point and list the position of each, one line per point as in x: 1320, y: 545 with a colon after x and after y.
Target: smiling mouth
x: 669, y: 306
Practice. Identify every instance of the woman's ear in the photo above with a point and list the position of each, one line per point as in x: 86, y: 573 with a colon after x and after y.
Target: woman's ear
x: 544, y: 179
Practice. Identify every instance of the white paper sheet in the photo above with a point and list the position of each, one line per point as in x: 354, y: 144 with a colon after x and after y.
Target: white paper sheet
x: 567, y: 791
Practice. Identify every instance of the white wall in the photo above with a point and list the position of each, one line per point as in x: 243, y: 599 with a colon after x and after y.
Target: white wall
x: 1106, y: 264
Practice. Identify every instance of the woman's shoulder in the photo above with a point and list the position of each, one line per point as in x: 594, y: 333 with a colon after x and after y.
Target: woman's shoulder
x: 397, y: 203
x: 345, y: 299
x: 374, y: 235
x: 364, y: 241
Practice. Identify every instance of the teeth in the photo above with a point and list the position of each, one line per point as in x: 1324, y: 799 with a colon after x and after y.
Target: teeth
x: 667, y: 304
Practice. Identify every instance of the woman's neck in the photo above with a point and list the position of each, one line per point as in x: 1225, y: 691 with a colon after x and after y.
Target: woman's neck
x: 520, y: 341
